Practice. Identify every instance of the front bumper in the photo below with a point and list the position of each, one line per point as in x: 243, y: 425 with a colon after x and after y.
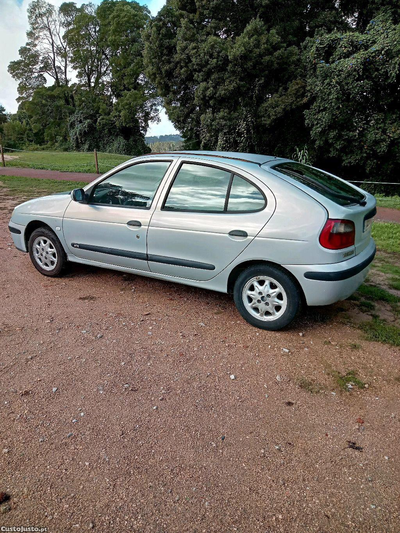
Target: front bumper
x: 17, y: 233
x: 327, y: 284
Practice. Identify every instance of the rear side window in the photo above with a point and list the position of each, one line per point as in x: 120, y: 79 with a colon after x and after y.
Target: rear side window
x: 198, y: 188
x: 321, y: 182
x: 204, y: 188
x: 244, y: 196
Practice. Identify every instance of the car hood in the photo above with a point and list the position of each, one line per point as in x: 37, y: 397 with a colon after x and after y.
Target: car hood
x: 53, y: 205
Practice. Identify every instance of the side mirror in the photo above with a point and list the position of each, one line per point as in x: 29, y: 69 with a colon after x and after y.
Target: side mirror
x: 78, y: 195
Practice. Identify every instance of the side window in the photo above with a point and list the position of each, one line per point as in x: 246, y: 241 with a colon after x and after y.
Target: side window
x: 245, y: 197
x: 134, y: 186
x: 198, y: 188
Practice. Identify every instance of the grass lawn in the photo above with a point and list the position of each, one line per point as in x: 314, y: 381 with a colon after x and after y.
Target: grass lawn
x: 372, y: 297
x: 66, y: 161
x: 388, y: 201
x: 387, y: 236
x: 31, y: 188
x: 380, y: 331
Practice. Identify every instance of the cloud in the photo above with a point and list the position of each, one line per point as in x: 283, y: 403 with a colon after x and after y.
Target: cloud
x: 13, y: 27
x: 164, y: 127
x: 153, y: 5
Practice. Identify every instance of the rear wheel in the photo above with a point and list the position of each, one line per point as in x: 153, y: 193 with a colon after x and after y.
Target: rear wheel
x: 46, y: 252
x: 266, y: 297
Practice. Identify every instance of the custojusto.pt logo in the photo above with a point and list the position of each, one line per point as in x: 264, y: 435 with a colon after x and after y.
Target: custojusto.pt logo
x: 23, y: 529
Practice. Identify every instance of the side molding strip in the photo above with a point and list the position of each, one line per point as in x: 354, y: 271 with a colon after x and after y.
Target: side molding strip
x: 180, y: 262
x: 144, y: 257
x: 110, y: 251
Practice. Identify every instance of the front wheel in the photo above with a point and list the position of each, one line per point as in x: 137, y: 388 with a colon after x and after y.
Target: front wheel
x: 266, y: 297
x: 46, y: 252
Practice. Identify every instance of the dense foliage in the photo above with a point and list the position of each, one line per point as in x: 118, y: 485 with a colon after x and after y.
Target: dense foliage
x: 314, y: 79
x: 353, y: 87
x: 270, y: 77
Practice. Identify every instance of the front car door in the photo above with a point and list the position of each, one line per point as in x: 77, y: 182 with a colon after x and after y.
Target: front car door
x: 208, y: 216
x: 111, y: 227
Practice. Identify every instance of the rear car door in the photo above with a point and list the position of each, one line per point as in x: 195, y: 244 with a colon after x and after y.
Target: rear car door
x: 207, y: 217
x: 112, y: 227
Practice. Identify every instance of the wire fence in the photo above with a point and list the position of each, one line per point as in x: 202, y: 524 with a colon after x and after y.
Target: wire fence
x: 101, y: 162
x: 385, y: 188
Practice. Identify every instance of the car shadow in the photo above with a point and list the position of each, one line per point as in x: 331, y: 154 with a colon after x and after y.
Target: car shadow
x: 308, y: 319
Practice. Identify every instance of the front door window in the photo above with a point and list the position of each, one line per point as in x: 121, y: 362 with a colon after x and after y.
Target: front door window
x: 133, y: 186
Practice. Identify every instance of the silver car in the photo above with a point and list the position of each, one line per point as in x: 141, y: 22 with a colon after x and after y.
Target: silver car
x: 274, y: 232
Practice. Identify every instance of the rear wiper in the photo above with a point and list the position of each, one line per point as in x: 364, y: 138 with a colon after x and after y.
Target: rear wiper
x: 322, y: 187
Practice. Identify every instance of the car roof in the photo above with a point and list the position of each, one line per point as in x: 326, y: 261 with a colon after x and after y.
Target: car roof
x: 257, y: 159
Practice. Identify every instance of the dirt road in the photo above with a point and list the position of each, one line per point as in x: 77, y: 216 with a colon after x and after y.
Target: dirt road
x: 130, y: 404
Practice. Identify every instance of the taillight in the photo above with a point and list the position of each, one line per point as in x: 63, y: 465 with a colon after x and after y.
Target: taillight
x: 337, y: 234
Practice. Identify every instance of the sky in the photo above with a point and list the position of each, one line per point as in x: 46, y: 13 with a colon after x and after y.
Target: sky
x: 13, y: 27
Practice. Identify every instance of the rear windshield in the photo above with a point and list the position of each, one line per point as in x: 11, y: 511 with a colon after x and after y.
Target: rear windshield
x: 325, y: 184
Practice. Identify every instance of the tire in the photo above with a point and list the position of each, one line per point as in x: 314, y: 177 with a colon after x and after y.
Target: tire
x: 267, y: 297
x: 46, y: 252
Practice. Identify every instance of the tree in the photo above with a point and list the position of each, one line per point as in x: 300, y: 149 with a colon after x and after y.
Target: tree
x: 122, y: 24
x: 106, y: 51
x: 94, y: 125
x: 360, y: 12
x: 353, y: 87
x: 3, y: 115
x: 16, y: 131
x: 88, y: 49
x: 48, y: 112
x: 112, y: 102
x: 46, y: 52
x: 231, y: 73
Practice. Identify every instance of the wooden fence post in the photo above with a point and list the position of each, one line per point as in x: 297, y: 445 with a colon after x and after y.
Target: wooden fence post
x: 2, y: 153
x: 96, y: 162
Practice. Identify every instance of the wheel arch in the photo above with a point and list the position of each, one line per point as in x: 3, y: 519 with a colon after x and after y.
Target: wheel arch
x: 32, y: 226
x: 235, y: 273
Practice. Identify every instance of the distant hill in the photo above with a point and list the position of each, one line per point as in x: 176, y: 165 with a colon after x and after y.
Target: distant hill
x: 164, y: 138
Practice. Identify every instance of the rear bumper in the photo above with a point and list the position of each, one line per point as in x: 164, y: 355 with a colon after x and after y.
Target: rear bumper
x: 326, y: 284
x: 17, y: 233
x: 340, y: 275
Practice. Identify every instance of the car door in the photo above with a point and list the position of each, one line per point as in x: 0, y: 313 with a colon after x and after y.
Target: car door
x: 111, y: 227
x: 208, y: 216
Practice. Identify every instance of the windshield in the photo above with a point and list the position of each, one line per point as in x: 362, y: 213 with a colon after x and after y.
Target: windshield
x: 338, y: 191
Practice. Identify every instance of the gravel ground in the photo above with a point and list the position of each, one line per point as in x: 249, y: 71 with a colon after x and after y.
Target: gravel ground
x: 130, y: 404
x: 386, y: 214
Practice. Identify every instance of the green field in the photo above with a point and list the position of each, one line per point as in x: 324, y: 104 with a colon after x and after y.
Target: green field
x: 32, y: 188
x: 65, y: 161
x: 386, y: 236
x: 388, y: 201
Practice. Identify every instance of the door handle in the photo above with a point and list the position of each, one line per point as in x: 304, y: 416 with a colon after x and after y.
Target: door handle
x: 135, y: 223
x: 238, y: 233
